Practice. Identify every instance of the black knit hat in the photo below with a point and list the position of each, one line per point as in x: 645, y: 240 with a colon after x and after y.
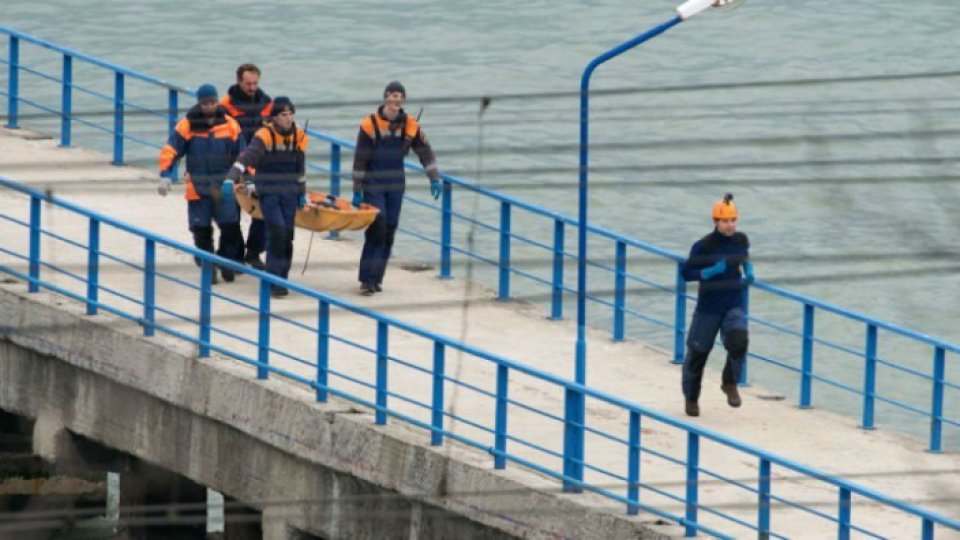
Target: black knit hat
x: 394, y: 86
x: 281, y: 104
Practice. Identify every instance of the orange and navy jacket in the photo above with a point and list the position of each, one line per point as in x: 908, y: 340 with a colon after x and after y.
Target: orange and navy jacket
x: 378, y: 133
x: 210, y: 148
x: 249, y: 111
x: 278, y: 158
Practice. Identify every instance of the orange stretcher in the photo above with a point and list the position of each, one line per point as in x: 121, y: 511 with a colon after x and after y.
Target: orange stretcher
x: 323, y: 212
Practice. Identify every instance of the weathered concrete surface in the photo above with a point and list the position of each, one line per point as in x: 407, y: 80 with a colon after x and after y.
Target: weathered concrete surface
x: 879, y: 459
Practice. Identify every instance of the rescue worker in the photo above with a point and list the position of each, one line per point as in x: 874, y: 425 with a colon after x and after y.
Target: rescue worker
x: 383, y: 142
x: 720, y: 261
x: 211, y: 142
x: 278, y: 155
x: 249, y: 105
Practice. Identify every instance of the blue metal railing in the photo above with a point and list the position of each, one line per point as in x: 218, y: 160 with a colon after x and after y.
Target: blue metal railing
x: 493, y: 433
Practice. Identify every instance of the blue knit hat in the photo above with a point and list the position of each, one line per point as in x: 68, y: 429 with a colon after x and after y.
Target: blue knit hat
x: 394, y: 86
x: 281, y: 104
x: 206, y: 91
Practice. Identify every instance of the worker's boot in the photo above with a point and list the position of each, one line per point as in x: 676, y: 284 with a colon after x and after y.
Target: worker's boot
x: 733, y: 396
x: 692, y: 408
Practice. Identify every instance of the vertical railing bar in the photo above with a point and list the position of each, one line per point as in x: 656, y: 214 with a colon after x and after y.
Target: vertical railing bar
x: 323, y: 350
x: 206, y: 284
x: 870, y: 377
x: 763, y: 502
x: 149, y: 287
x: 34, y: 265
x: 693, y: 469
x: 500, y: 439
x: 13, y: 83
x: 334, y: 180
x: 620, y: 291
x: 556, y: 303
x: 504, y: 293
x: 680, y: 316
x: 382, y: 352
x: 844, y: 515
x: 118, y: 99
x: 744, y: 379
x: 572, y: 437
x: 93, y: 266
x: 633, y: 465
x: 936, y: 409
x: 806, y: 370
x: 173, y: 114
x: 263, y: 331
x: 439, y: 374
x: 446, y: 228
x: 66, y: 100
x: 926, y: 531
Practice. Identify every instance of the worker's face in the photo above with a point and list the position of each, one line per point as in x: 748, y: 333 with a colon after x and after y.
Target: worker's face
x: 283, y: 120
x: 392, y: 103
x: 249, y: 82
x: 208, y: 106
x: 727, y: 226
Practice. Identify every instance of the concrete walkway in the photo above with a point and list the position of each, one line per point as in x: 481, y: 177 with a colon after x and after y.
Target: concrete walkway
x: 879, y: 459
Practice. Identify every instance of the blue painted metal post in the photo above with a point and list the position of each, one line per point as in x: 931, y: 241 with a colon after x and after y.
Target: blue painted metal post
x: 446, y: 228
x: 844, y: 515
x: 500, y: 430
x: 870, y: 377
x: 633, y: 465
x: 556, y: 303
x: 93, y: 266
x: 206, y: 284
x: 172, y: 117
x: 763, y: 500
x: 263, y: 331
x: 66, y: 100
x: 382, y: 351
x: 573, y: 441
x: 926, y: 532
x: 149, y: 287
x: 439, y: 377
x: 693, y: 470
x: 746, y: 363
x: 118, y: 118
x: 34, y: 265
x: 334, y: 179
x: 936, y: 409
x: 680, y: 317
x: 619, y: 291
x: 504, y: 251
x: 13, y: 83
x: 323, y: 350
x: 806, y: 369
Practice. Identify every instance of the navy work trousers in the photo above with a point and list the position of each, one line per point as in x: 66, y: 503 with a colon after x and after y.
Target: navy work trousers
x: 279, y: 211
x: 732, y: 326
x: 378, y: 238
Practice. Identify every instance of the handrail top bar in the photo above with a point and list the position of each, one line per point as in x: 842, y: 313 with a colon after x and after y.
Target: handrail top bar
x: 92, y: 60
x: 547, y: 377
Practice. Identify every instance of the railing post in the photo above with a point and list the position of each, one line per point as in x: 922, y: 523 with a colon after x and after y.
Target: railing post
x: 619, y: 290
x: 693, y: 469
x: 500, y: 431
x: 334, y: 179
x: 263, y: 331
x: 173, y: 114
x: 439, y: 377
x: 680, y: 316
x: 446, y: 228
x: 504, y: 251
x: 844, y: 515
x: 149, y: 287
x: 870, y: 377
x: 926, y: 531
x: 763, y: 500
x: 556, y: 303
x: 746, y: 363
x: 936, y: 409
x: 323, y: 350
x: 34, y: 266
x: 13, y: 83
x: 382, y: 352
x: 93, y: 266
x: 573, y: 441
x: 633, y: 465
x: 206, y: 284
x: 66, y: 100
x: 806, y: 368
x: 118, y: 118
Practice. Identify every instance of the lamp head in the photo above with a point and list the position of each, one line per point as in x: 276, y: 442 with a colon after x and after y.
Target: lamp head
x: 692, y: 7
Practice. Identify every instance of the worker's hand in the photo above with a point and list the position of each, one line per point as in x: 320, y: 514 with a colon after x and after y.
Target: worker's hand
x: 357, y: 198
x: 748, y: 276
x: 435, y: 189
x: 302, y: 201
x: 226, y: 191
x: 711, y: 272
x: 164, y: 186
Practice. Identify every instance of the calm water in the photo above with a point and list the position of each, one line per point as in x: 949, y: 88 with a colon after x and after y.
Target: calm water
x: 845, y: 188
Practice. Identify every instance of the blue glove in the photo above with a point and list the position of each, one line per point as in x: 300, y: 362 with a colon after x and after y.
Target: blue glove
x: 357, y: 198
x: 711, y: 272
x: 302, y: 201
x: 748, y: 276
x: 226, y: 190
x: 435, y: 189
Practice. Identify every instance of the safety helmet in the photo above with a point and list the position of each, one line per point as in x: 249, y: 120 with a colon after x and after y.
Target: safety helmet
x: 725, y: 209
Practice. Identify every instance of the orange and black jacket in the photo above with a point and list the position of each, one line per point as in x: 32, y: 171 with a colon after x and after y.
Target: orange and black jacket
x: 382, y: 146
x: 279, y: 159
x: 211, y: 147
x: 249, y: 111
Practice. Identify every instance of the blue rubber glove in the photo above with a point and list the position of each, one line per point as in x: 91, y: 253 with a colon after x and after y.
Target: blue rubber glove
x: 435, y: 189
x: 748, y: 276
x: 357, y: 198
x: 302, y: 201
x: 226, y: 190
x: 711, y: 272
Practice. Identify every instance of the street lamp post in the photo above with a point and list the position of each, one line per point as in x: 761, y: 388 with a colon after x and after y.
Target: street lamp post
x: 575, y: 406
